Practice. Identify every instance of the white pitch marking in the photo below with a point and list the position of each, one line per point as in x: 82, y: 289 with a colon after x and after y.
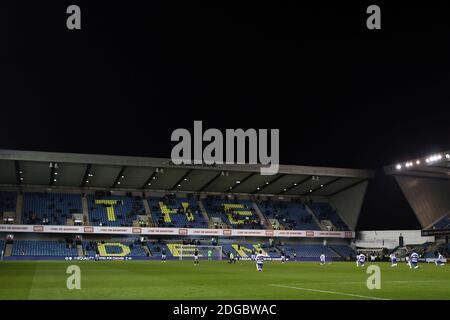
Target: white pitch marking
x: 330, y: 292
x: 362, y: 282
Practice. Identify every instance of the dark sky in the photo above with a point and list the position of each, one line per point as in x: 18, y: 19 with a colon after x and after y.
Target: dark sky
x: 341, y: 95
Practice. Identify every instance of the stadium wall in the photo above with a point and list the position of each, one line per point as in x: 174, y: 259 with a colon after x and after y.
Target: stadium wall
x: 389, y: 239
x: 10, y: 228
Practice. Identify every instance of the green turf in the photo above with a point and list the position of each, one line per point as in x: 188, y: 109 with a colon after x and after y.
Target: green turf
x: 218, y: 280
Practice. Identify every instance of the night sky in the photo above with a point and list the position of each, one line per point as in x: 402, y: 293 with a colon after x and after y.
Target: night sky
x: 341, y: 95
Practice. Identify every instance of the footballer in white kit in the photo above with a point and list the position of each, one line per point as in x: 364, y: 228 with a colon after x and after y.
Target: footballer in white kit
x: 322, y: 259
x: 440, y: 260
x: 393, y: 260
x: 360, y: 260
x: 414, y: 260
x: 259, y: 261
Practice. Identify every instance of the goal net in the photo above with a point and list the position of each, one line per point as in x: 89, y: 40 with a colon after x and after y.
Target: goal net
x: 204, y: 252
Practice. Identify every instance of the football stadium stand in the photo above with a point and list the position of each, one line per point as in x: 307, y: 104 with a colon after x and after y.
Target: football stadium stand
x: 113, y: 249
x: 7, y: 201
x: 443, y: 223
x: 50, y: 208
x: 95, y: 193
x: 236, y: 214
x: 288, y: 215
x: 106, y: 210
x: 309, y: 251
x: 43, y: 248
x: 344, y: 250
x: 156, y: 249
x: 324, y: 211
x: 244, y: 250
x: 176, y: 212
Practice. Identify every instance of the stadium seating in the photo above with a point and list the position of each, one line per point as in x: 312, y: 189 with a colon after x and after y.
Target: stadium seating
x: 308, y: 251
x: 8, y: 201
x: 429, y: 255
x: 344, y: 250
x: 291, y: 216
x: 114, y: 210
x: 89, y: 248
x: 244, y: 250
x: 156, y: 249
x: 113, y: 248
x: 443, y: 223
x: 237, y: 214
x: 176, y: 212
x: 324, y: 211
x: 42, y: 248
x: 175, y: 250
x: 50, y: 208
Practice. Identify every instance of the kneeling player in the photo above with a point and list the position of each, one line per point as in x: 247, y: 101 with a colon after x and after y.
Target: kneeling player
x: 414, y: 260
x: 196, y: 257
x: 393, y: 260
x: 440, y: 260
x: 259, y: 261
x: 360, y: 260
x: 322, y: 259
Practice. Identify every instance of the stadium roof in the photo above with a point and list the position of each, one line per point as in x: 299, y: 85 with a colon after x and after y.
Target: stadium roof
x: 434, y: 166
x: 72, y: 170
x: 425, y: 182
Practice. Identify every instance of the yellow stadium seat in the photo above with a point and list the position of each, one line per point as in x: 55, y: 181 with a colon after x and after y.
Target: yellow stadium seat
x: 110, y: 207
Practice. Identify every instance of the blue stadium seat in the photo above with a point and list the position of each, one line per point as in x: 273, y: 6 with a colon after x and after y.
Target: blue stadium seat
x: 42, y: 248
x: 55, y: 207
x: 324, y: 211
x: 244, y: 250
x: 344, y: 250
x: 443, y: 223
x: 308, y: 251
x: 291, y: 216
x: 176, y: 213
x: 112, y: 247
x: 114, y: 210
x: 8, y: 201
x: 237, y: 214
x: 156, y: 249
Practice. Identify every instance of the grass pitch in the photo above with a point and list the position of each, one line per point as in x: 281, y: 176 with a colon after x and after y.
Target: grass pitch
x: 219, y: 280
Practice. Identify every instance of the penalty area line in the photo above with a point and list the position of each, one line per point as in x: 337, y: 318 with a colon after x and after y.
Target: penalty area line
x: 329, y: 292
